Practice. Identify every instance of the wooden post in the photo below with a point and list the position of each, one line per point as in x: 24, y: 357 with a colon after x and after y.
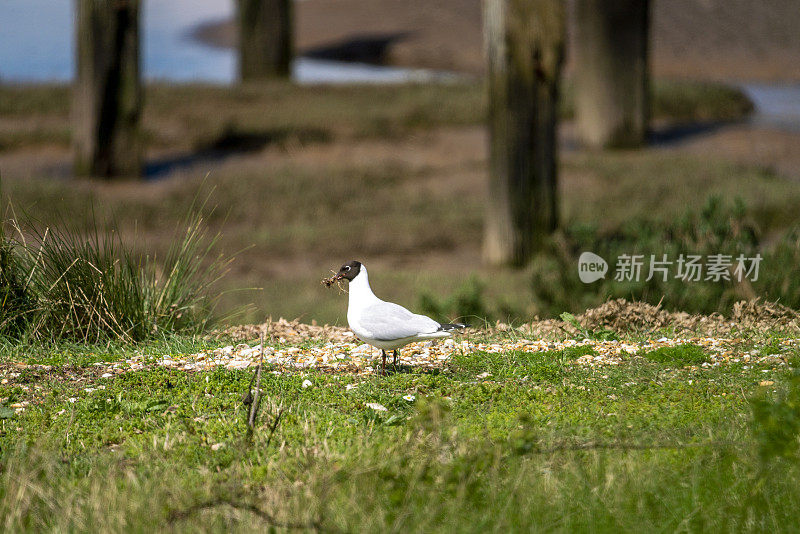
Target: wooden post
x: 611, y: 72
x: 265, y: 39
x: 524, y: 44
x: 107, y: 93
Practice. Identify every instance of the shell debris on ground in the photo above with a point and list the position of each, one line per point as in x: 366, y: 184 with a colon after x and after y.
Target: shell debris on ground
x: 292, y: 347
x: 352, y: 357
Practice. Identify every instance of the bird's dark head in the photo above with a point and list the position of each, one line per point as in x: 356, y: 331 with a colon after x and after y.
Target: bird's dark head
x: 348, y: 271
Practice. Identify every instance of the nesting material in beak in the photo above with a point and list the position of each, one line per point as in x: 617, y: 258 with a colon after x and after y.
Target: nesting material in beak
x: 335, y: 279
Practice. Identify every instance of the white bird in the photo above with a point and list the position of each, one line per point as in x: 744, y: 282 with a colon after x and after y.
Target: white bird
x: 382, y: 324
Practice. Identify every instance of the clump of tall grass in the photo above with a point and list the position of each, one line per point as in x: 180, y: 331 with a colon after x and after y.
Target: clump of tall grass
x: 64, y: 283
x: 14, y: 301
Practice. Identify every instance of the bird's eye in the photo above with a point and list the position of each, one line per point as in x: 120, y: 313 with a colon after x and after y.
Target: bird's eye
x: 346, y: 267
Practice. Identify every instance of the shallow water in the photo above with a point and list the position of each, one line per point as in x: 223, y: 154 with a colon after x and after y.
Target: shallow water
x: 36, y: 45
x: 777, y: 105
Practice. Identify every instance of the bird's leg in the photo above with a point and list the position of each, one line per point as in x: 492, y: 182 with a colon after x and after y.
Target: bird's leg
x: 383, y: 363
x: 394, y: 362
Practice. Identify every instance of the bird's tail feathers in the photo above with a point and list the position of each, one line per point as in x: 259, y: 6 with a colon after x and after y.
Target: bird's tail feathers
x: 447, y: 327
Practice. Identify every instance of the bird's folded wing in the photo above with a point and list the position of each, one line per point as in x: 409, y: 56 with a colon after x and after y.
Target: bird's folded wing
x: 388, y: 321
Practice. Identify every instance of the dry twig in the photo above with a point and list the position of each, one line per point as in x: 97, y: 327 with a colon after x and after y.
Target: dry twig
x: 250, y: 399
x: 180, y: 515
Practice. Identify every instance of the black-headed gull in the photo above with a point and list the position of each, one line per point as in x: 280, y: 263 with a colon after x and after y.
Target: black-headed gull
x: 382, y: 324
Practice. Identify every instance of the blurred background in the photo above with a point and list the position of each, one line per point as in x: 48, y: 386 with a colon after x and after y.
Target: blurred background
x: 321, y: 131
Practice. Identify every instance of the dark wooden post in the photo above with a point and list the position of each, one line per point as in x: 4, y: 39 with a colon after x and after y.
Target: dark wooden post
x: 265, y: 39
x: 525, y: 44
x: 611, y: 72
x: 107, y: 94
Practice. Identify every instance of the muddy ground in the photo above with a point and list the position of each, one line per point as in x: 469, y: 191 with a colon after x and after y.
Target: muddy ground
x: 708, y: 39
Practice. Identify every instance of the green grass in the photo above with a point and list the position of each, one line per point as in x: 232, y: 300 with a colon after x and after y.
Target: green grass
x: 539, y: 443
x: 680, y: 355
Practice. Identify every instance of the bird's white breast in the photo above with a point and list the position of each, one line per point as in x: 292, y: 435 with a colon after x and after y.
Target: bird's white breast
x: 360, y: 298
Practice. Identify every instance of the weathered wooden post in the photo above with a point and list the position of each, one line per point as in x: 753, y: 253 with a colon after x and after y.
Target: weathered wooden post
x: 107, y: 93
x: 524, y: 45
x: 611, y: 72
x: 265, y: 39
